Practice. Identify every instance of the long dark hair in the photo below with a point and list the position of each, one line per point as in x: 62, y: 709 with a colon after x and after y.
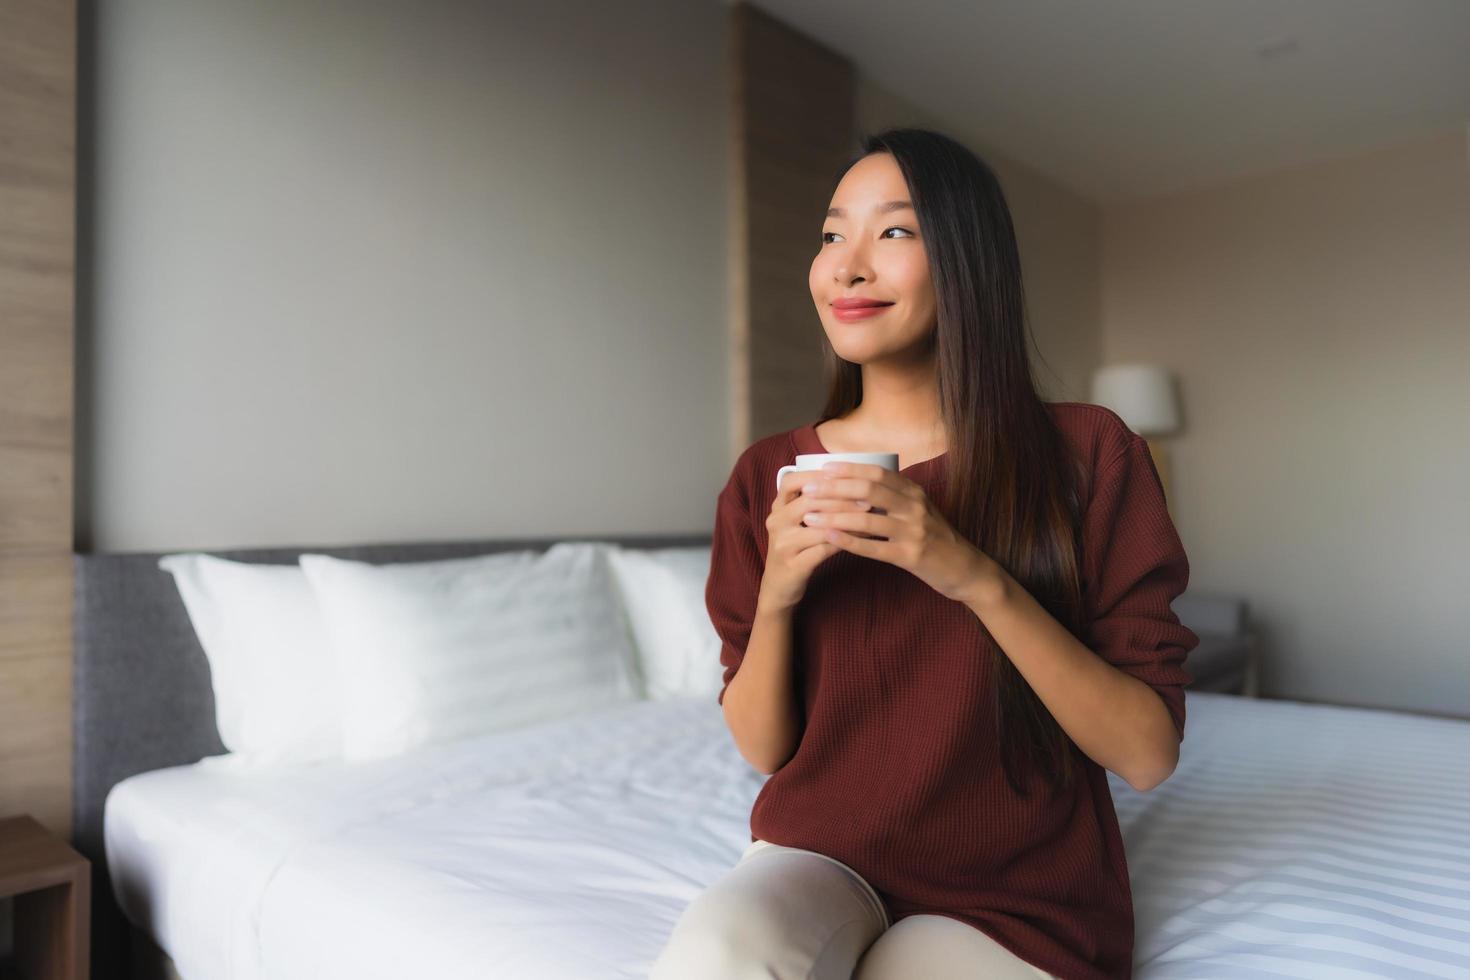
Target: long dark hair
x: 1012, y: 483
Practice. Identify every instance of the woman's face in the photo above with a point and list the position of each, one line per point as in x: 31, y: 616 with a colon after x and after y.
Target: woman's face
x: 871, y: 250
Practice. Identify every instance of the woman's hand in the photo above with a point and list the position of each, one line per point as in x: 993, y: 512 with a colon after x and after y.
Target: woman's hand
x: 794, y: 550
x: 919, y: 538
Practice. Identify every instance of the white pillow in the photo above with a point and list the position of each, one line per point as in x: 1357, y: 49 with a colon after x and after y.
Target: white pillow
x: 440, y: 650
x: 270, y: 662
x: 662, y: 590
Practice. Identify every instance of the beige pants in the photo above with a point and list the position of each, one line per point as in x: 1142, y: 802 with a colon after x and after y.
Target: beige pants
x: 793, y: 914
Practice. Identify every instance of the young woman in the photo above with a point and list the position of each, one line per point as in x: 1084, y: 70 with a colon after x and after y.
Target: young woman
x: 936, y: 665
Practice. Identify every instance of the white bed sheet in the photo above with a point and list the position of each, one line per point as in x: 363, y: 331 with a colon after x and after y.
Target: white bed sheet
x: 1293, y: 840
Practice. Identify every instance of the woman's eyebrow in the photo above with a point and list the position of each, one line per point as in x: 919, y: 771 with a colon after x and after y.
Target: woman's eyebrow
x: 880, y: 209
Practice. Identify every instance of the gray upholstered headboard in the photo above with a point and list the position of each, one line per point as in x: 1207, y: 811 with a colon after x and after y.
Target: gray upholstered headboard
x: 142, y: 697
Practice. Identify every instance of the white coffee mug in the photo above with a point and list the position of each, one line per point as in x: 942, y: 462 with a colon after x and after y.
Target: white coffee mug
x: 814, y: 461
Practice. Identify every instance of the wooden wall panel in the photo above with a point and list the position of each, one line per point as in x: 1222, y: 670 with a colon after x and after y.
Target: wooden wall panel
x: 38, y: 43
x: 792, y: 129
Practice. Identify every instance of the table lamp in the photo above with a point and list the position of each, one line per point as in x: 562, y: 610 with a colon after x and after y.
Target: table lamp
x: 1144, y: 396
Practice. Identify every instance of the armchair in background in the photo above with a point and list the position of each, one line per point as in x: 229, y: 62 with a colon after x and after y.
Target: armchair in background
x: 1227, y: 659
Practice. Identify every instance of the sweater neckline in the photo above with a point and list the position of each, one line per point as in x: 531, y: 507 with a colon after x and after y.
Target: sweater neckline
x: 807, y: 441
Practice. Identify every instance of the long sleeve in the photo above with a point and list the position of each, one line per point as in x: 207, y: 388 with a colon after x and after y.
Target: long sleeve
x: 736, y: 568
x: 1135, y: 567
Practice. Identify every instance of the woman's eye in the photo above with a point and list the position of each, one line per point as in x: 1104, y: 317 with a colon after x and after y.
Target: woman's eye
x: 828, y: 236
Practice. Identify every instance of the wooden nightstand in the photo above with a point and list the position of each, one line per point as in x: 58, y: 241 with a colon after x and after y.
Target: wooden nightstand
x: 52, y: 888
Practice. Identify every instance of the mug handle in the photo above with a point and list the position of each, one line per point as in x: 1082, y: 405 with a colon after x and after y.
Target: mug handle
x: 782, y: 472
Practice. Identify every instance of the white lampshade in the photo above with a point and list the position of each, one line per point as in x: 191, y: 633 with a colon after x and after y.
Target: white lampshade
x: 1143, y: 394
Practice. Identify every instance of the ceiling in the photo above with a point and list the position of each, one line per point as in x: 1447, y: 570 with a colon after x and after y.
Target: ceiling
x: 1126, y: 99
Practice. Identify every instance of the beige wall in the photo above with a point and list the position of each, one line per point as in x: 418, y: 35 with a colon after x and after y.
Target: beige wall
x: 377, y: 270
x: 1057, y: 233
x: 1319, y: 322
x: 357, y: 296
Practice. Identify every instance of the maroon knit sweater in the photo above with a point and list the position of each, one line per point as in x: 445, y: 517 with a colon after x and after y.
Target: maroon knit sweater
x: 898, y: 773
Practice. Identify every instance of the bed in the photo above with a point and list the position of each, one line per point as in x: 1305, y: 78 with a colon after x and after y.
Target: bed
x: 1293, y: 840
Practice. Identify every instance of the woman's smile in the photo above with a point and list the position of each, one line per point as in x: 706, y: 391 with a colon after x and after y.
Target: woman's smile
x: 850, y: 313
